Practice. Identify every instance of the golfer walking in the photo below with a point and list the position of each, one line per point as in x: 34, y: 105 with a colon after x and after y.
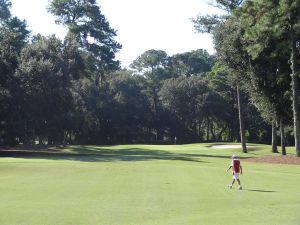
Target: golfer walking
x: 236, y: 170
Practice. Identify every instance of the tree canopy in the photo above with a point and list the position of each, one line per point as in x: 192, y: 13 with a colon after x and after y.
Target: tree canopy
x: 73, y: 91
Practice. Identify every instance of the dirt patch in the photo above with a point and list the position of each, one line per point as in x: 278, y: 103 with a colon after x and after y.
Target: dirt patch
x: 288, y: 159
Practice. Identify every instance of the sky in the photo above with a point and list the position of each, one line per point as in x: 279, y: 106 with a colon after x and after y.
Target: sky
x: 140, y: 24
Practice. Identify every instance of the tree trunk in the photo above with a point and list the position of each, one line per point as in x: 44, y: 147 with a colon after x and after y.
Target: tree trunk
x: 212, y: 131
x: 283, y: 151
x: 295, y: 89
x: 207, y: 130
x: 221, y: 132
x: 199, y: 128
x: 274, y: 138
x: 242, y: 129
x: 41, y: 141
x: 155, y: 112
x: 228, y: 133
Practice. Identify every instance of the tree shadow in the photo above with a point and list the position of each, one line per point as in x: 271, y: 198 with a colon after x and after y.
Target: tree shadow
x: 102, y: 154
x: 94, y: 154
x: 257, y: 190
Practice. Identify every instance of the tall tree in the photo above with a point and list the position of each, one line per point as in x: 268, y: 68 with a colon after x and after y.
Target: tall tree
x: 229, y: 46
x: 185, y: 99
x: 219, y: 82
x: 13, y: 36
x: 152, y: 65
x: 84, y: 19
x: 191, y: 102
x: 131, y: 117
x: 5, y: 10
x: 279, y: 20
x: 217, y: 24
x: 44, y: 76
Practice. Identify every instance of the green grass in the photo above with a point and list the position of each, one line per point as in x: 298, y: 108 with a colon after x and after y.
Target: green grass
x: 146, y: 185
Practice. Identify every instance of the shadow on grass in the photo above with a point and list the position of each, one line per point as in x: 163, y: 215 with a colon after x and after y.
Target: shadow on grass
x: 103, y: 154
x: 94, y: 154
x: 257, y: 190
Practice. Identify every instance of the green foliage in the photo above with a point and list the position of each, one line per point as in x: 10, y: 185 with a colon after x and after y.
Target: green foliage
x: 228, y: 5
x: 191, y: 63
x: 13, y: 36
x: 150, y: 62
x: 59, y: 92
x: 272, y: 33
x: 131, y: 114
x: 206, y: 24
x: 192, y: 96
x: 92, y: 30
x: 185, y: 97
x: 44, y: 76
x: 229, y: 45
x: 5, y: 10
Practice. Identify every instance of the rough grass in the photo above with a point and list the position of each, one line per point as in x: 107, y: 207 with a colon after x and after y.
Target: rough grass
x: 144, y: 184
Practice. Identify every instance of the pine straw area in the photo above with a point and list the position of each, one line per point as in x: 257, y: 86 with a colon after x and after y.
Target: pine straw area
x: 288, y: 159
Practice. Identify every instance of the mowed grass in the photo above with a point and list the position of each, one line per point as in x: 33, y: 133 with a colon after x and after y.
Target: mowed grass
x: 146, y: 185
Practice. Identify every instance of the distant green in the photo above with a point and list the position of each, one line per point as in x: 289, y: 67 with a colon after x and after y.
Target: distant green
x: 146, y: 185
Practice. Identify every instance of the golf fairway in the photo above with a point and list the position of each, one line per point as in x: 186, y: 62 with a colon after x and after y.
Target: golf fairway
x: 147, y: 185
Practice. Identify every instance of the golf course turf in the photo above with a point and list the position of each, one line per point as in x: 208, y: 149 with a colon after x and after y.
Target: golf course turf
x: 145, y: 185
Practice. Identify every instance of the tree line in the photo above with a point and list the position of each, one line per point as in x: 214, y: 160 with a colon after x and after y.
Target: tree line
x: 73, y: 91
x: 257, y: 43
